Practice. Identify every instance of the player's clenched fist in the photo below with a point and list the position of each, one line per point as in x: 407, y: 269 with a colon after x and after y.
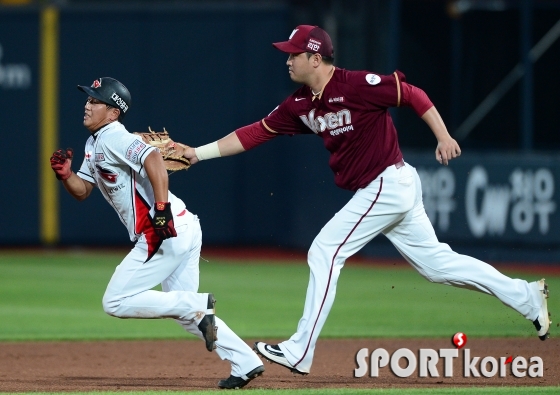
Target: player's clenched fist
x: 163, y: 220
x: 61, y: 162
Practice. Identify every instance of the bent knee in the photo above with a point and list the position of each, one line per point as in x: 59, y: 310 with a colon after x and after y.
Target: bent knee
x: 321, y: 255
x: 111, y: 305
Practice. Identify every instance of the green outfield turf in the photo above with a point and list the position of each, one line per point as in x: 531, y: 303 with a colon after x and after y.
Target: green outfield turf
x: 57, y: 295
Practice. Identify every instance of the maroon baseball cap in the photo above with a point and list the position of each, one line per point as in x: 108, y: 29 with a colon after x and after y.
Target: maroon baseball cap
x: 307, y: 38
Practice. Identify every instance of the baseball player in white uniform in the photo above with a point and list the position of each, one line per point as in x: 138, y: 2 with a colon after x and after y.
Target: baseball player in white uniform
x: 132, y: 178
x: 348, y: 111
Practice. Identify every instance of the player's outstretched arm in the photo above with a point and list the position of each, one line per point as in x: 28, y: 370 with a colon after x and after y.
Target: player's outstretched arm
x: 226, y: 146
x: 447, y: 147
x: 230, y: 145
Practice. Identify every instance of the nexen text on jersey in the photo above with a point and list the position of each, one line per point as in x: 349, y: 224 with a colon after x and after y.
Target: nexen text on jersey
x: 341, y: 130
x: 330, y: 120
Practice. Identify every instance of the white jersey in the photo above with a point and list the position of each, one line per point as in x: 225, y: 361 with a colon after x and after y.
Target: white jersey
x: 114, y: 162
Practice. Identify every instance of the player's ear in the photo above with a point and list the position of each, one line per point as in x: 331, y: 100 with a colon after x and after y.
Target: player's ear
x: 115, y: 112
x: 317, y: 58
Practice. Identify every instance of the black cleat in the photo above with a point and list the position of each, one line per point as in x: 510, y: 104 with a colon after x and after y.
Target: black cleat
x: 208, y: 325
x: 234, y: 382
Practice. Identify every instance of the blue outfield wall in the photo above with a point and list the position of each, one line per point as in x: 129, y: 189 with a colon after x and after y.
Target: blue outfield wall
x: 19, y: 60
x: 202, y: 72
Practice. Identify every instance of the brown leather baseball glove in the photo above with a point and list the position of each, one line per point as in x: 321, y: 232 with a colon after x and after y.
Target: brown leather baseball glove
x: 171, y: 151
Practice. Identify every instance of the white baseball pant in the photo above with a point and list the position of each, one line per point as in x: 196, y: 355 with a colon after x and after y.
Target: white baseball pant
x: 129, y: 294
x: 392, y: 204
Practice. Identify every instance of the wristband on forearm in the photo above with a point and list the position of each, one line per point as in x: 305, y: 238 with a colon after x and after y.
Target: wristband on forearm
x: 208, y: 151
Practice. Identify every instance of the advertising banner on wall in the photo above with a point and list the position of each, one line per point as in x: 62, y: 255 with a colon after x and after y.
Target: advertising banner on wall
x: 493, y: 197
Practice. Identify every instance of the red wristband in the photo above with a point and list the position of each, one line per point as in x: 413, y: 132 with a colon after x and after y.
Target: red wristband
x: 160, y: 206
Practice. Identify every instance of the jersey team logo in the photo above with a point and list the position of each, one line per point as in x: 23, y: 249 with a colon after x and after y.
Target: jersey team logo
x: 107, y: 174
x: 336, y: 122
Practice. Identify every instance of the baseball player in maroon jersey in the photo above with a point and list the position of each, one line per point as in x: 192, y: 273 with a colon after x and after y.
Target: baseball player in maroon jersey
x: 131, y: 176
x: 348, y: 110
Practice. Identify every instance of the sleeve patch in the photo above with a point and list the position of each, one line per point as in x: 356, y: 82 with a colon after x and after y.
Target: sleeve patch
x: 133, y: 150
x: 373, y: 79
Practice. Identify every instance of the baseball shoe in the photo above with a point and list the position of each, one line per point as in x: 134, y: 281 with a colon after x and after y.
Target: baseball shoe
x: 234, y: 382
x: 542, y: 323
x: 208, y: 325
x: 272, y: 353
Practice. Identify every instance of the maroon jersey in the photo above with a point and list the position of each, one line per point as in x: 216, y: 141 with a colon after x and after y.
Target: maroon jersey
x: 351, y: 116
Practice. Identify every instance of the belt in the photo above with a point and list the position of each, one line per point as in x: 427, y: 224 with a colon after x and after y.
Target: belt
x: 399, y: 164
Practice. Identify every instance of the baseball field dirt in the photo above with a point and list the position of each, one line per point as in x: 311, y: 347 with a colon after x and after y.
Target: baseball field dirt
x: 186, y: 365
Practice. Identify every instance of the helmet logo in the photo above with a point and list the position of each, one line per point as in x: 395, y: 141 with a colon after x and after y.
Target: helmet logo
x: 119, y: 102
x: 96, y: 84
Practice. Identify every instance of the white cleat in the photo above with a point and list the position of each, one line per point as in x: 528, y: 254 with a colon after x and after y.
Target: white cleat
x: 542, y: 323
x: 272, y: 353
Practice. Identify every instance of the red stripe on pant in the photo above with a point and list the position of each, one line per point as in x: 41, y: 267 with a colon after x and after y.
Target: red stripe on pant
x: 332, y: 265
x: 153, y: 241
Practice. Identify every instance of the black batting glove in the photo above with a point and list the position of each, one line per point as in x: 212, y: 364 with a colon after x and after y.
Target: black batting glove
x: 163, y: 220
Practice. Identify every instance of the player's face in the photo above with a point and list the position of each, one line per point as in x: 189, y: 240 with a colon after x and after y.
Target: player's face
x: 97, y: 114
x: 300, y: 67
